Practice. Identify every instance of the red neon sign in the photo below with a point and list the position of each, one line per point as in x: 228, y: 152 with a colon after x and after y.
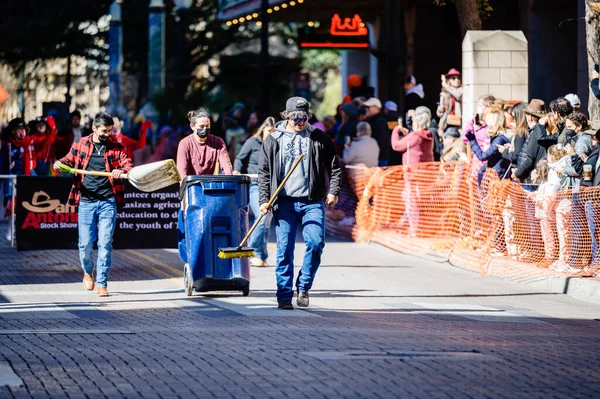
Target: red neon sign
x: 350, y: 27
x: 333, y: 45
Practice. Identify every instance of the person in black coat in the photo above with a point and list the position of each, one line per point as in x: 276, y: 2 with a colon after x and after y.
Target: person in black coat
x: 247, y: 162
x: 347, y: 130
x: 532, y: 152
x: 415, y: 95
x: 379, y: 129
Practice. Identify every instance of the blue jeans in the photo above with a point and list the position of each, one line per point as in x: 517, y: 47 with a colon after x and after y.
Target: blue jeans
x: 260, y: 236
x: 97, y: 220
x: 592, y: 214
x: 579, y: 232
x: 311, y: 214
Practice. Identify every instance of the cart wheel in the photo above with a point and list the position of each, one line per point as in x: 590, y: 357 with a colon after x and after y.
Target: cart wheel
x: 187, y: 280
x: 246, y: 291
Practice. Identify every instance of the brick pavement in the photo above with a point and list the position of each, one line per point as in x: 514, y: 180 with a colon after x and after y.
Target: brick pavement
x: 381, y: 325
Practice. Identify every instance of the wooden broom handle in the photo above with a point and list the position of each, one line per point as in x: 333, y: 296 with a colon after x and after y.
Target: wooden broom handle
x: 273, y: 198
x: 96, y: 173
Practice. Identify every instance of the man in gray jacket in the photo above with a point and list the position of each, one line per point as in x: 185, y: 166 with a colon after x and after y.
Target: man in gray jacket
x: 302, y: 198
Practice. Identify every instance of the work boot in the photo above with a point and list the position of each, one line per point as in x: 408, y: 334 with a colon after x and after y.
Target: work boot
x: 287, y: 305
x: 302, y: 300
x: 102, y: 291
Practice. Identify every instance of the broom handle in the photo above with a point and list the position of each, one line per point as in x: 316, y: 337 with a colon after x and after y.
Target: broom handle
x: 272, y: 200
x: 96, y: 173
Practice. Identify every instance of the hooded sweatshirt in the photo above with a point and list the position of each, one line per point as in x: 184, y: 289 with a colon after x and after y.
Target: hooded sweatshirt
x: 416, y: 146
x: 414, y: 98
x: 292, y: 145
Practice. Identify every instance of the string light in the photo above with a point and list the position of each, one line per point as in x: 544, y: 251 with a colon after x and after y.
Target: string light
x: 269, y: 11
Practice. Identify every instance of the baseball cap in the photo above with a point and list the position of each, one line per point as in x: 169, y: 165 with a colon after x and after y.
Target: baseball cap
x: 297, y: 104
x: 372, y: 102
x: 573, y: 99
x: 390, y: 106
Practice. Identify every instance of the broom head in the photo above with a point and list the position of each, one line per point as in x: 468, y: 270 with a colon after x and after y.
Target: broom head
x: 236, y: 252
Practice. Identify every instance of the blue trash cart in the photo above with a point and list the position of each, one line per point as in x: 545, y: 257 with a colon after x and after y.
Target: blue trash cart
x: 213, y: 215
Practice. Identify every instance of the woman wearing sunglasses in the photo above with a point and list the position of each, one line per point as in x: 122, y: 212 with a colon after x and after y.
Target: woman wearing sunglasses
x: 303, y: 197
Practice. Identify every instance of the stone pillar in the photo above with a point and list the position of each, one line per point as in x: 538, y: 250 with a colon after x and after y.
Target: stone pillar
x: 494, y: 62
x: 115, y: 59
x: 156, y: 47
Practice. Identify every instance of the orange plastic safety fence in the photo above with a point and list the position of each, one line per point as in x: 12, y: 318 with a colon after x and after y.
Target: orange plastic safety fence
x: 498, y: 226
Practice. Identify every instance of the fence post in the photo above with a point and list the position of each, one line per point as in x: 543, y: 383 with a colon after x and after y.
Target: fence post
x: 13, y: 182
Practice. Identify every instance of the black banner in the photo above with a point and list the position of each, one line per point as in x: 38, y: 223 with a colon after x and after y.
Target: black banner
x: 45, y: 221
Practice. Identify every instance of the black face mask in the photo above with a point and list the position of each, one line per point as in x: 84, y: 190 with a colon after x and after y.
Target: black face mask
x: 103, y: 139
x: 203, y: 132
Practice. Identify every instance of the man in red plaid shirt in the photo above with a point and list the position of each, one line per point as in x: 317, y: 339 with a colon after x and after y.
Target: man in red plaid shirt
x: 97, y: 197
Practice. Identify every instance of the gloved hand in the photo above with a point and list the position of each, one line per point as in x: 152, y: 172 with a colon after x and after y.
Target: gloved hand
x: 470, y: 135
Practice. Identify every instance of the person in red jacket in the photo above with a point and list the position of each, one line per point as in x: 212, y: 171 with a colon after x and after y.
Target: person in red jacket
x: 417, y: 147
x: 130, y: 145
x: 38, y: 146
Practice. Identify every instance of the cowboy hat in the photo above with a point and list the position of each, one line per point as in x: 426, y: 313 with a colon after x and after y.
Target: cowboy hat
x: 536, y: 108
x: 453, y: 72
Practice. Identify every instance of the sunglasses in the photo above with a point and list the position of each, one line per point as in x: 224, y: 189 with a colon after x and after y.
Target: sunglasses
x: 300, y: 120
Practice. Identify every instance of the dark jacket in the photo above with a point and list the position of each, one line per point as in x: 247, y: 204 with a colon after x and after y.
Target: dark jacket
x: 348, y: 129
x: 513, y: 154
x: 492, y: 155
x: 381, y: 133
x: 322, y: 162
x: 531, y: 153
x: 578, y: 163
x: 247, y: 160
x: 564, y: 136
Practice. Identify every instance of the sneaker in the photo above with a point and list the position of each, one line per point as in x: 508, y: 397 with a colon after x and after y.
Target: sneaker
x: 287, y: 305
x: 302, y: 300
x: 257, y: 262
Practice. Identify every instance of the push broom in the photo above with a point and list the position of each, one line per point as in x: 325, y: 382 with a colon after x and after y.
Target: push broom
x: 247, y: 252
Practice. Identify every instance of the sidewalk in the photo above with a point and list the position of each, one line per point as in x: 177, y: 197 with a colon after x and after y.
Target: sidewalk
x: 585, y: 289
